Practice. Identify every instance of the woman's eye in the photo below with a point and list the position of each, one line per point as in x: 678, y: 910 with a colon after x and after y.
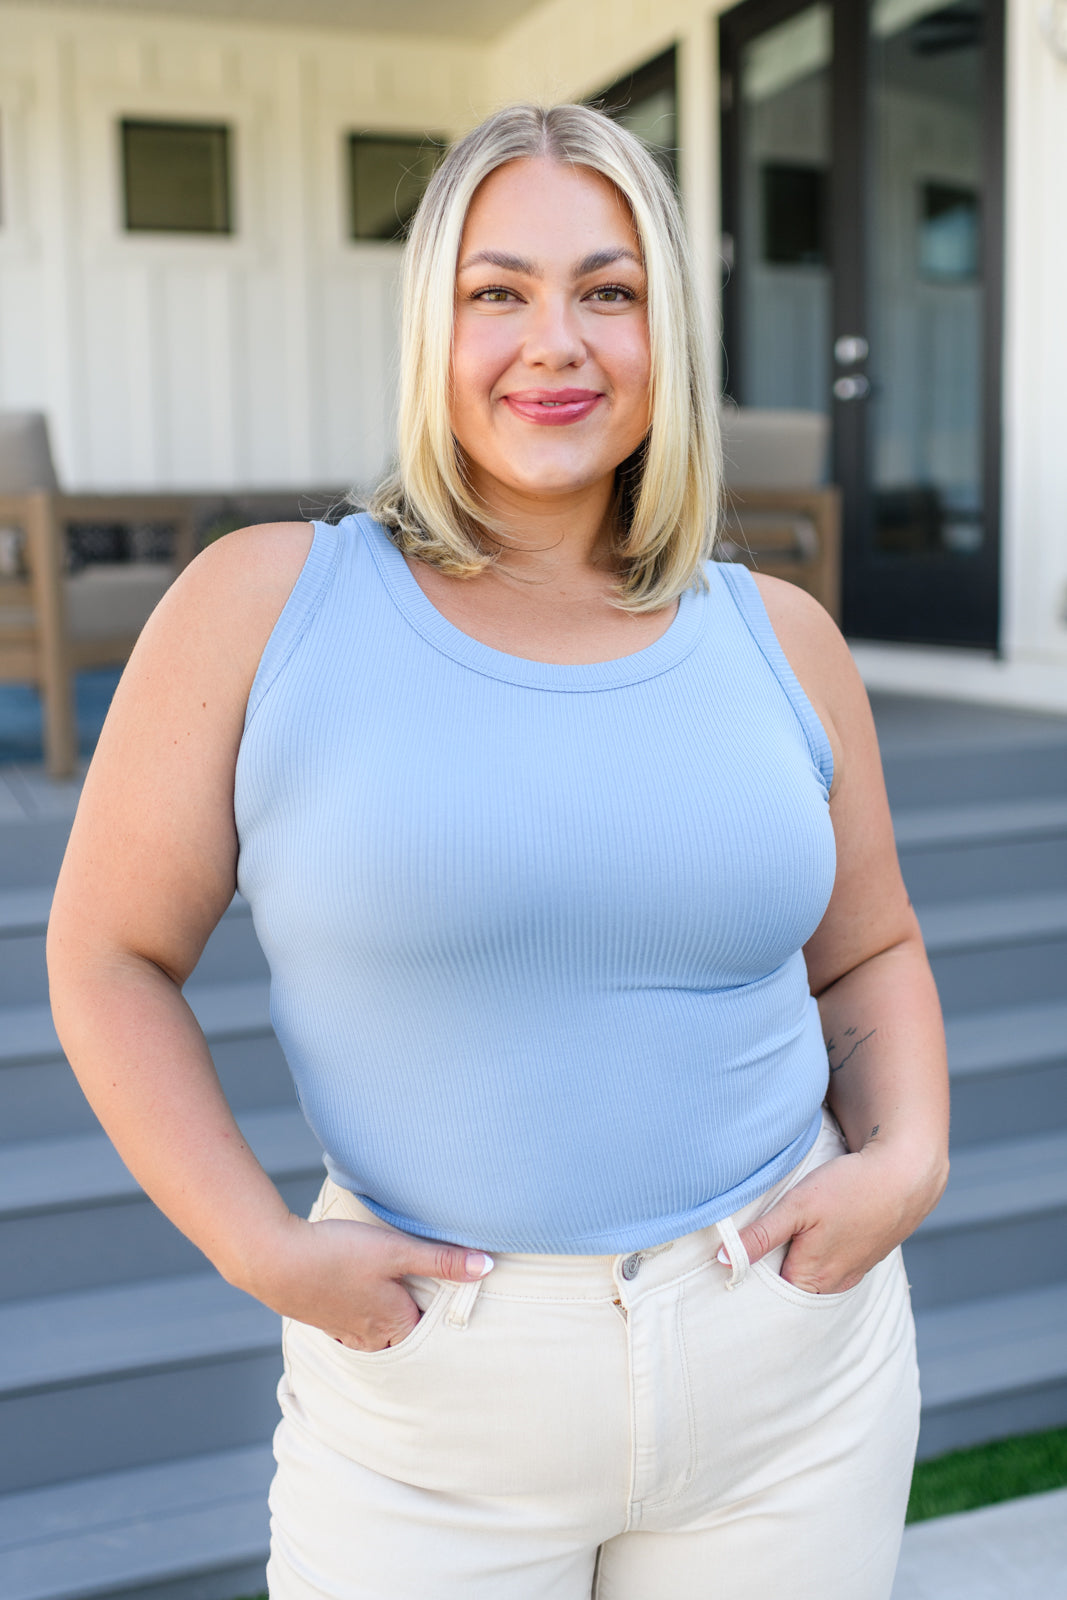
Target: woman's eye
x: 495, y: 296
x: 611, y: 294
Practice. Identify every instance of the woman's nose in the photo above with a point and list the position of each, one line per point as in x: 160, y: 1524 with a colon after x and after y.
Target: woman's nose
x: 554, y: 337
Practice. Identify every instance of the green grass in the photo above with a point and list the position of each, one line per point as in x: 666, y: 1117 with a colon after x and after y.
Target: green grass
x: 967, y: 1479
x: 1004, y: 1470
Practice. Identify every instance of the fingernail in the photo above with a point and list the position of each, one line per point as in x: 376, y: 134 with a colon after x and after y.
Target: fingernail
x: 478, y: 1265
x: 723, y: 1257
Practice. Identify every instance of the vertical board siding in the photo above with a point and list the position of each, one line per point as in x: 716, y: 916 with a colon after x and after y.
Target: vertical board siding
x: 259, y: 359
x: 1035, y: 407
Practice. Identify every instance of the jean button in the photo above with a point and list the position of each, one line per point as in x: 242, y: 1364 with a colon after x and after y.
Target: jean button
x: 631, y: 1267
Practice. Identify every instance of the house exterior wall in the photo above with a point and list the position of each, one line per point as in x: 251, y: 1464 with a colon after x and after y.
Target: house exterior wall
x: 1032, y: 670
x: 267, y: 358
x: 1035, y: 398
x: 262, y: 358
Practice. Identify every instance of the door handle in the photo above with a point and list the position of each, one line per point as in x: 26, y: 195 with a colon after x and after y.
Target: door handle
x: 849, y: 348
x: 854, y: 387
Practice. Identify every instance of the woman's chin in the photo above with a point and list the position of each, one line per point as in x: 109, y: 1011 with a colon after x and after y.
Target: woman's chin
x: 543, y: 480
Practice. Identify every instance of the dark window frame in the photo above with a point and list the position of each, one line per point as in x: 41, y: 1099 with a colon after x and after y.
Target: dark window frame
x: 129, y: 125
x: 954, y: 196
x: 808, y: 249
x: 646, y: 80
x: 355, y: 137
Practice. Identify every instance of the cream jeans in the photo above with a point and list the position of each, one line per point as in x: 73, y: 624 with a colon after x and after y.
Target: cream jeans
x: 642, y: 1427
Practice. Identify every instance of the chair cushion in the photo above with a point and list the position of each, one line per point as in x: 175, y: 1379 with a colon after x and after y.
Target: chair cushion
x: 25, y: 455
x: 773, y: 449
x: 109, y: 599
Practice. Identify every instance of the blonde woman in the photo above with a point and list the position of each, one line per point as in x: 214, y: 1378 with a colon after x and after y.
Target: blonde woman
x: 571, y: 858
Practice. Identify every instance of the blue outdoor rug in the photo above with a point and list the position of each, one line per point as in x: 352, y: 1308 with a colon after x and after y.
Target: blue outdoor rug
x: 20, y: 715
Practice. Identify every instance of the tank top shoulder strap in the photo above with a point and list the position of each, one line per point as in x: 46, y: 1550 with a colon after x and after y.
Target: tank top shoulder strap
x: 297, y: 614
x: 742, y: 588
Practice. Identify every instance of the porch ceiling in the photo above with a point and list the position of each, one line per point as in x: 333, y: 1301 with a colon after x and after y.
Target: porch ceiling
x: 459, y: 19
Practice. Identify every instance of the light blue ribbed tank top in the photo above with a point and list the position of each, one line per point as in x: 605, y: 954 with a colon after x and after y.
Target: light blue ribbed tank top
x: 534, y: 931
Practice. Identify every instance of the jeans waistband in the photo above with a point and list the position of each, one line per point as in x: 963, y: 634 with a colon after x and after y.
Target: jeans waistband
x: 595, y: 1277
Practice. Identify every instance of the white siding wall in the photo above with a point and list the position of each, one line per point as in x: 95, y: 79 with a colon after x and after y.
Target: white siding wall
x: 1035, y: 410
x: 259, y: 359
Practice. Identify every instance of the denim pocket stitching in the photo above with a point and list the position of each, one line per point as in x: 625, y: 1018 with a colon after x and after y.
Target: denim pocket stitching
x: 802, y: 1297
x: 411, y: 1342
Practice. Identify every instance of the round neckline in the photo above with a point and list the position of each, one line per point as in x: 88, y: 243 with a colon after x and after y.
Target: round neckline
x: 676, y: 641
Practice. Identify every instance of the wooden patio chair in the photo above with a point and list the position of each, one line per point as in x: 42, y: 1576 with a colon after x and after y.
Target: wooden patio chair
x: 54, y: 622
x: 781, y: 517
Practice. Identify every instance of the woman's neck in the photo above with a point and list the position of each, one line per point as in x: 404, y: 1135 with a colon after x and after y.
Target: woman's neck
x: 552, y: 540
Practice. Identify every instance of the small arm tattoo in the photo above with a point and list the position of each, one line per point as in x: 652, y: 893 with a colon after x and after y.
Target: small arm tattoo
x: 853, y: 1044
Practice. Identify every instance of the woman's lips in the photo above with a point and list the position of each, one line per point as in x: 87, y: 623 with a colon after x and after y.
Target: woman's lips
x: 552, y: 407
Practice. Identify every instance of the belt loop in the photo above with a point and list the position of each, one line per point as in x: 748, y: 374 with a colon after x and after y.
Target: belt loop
x: 462, y: 1303
x: 739, y: 1262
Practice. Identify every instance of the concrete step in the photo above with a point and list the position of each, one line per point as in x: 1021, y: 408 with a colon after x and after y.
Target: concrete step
x: 194, y: 1529
x: 72, y: 1217
x: 25, y: 907
x: 993, y: 1367
x: 112, y: 1378
x: 999, y: 950
x: 31, y: 851
x: 1002, y: 1222
x: 1009, y: 1072
x: 232, y: 952
x: 934, y: 827
x: 981, y: 849
x: 994, y: 921
x: 1011, y: 1550
x: 943, y: 773
x: 41, y: 1099
x: 224, y: 1010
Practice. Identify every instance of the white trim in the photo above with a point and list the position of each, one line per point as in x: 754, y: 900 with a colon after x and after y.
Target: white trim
x: 973, y: 675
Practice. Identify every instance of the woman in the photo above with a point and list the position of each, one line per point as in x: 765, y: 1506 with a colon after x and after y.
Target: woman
x: 546, y: 827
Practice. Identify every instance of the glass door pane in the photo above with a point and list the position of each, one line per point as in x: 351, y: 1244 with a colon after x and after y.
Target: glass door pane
x: 925, y: 412
x: 783, y: 280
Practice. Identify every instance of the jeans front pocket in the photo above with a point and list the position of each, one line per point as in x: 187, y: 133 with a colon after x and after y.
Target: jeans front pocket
x: 768, y: 1271
x: 431, y: 1295
x: 829, y: 1144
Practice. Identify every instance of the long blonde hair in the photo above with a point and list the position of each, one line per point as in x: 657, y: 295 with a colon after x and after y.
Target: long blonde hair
x: 668, y: 490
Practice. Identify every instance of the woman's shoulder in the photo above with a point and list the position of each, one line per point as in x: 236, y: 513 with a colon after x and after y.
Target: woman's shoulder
x: 817, y: 652
x: 204, y: 640
x: 803, y: 627
x: 253, y: 568
x: 231, y: 596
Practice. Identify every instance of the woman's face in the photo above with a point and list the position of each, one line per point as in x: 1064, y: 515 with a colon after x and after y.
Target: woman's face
x: 550, y: 356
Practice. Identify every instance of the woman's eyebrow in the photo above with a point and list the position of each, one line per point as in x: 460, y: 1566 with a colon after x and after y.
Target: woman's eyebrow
x: 606, y: 258
x: 594, y: 262
x: 501, y: 259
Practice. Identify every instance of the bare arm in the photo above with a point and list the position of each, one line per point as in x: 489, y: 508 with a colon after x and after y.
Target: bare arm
x: 880, y: 1013
x: 150, y: 868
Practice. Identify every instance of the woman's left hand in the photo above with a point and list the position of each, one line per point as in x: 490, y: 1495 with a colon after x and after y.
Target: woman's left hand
x: 845, y: 1217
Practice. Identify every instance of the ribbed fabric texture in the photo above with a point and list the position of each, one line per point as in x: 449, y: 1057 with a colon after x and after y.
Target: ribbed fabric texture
x: 535, y: 931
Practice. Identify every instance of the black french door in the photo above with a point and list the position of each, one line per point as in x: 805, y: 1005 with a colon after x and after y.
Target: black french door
x: 862, y: 220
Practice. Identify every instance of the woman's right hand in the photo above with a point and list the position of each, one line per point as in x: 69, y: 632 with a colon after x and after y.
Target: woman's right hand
x: 347, y: 1278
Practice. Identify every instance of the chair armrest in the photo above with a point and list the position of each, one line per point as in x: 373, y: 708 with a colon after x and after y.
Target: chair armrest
x: 822, y: 505
x: 136, y: 507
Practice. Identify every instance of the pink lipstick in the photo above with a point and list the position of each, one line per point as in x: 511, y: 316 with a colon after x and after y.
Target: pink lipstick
x: 552, y: 407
